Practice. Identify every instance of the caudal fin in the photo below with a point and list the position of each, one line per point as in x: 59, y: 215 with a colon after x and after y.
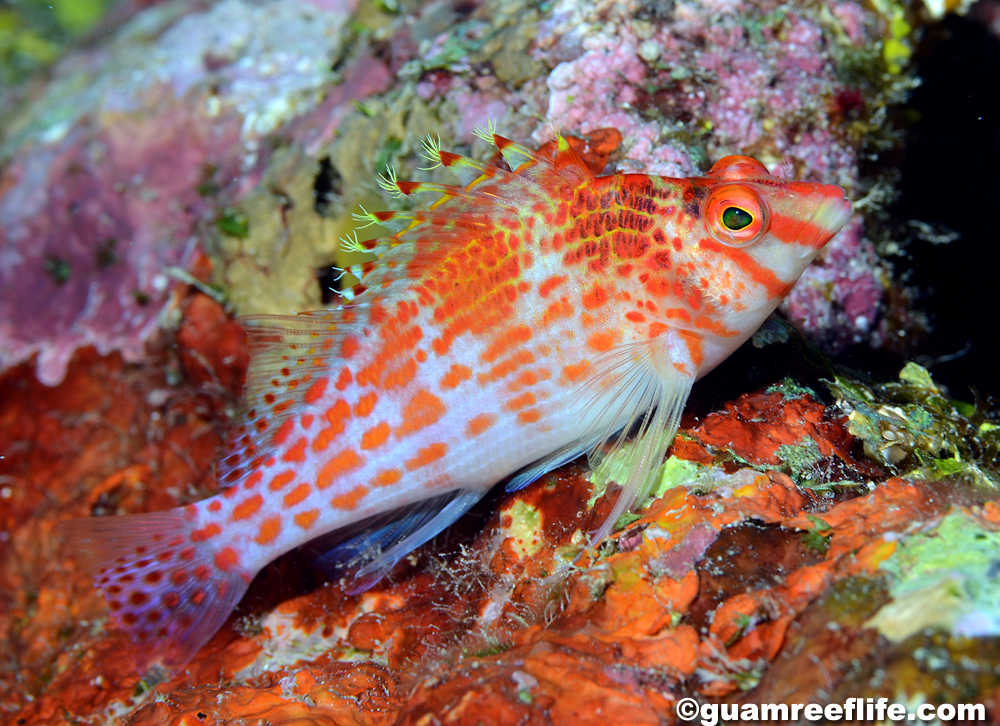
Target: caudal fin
x: 168, y: 593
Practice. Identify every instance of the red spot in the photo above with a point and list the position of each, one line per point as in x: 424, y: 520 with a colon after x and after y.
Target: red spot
x: 137, y: 598
x: 153, y: 577
x: 171, y: 600
x: 226, y: 558
x: 206, y: 532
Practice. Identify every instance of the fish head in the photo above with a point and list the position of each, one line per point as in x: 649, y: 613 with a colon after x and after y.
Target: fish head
x: 727, y: 248
x: 780, y: 224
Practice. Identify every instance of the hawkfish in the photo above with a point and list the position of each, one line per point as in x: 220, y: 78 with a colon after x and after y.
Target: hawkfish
x: 526, y: 316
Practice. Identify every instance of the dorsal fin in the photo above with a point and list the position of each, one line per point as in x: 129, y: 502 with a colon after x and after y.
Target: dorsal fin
x: 290, y: 361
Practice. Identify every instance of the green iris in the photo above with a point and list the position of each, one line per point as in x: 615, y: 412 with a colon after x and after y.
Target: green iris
x: 735, y: 218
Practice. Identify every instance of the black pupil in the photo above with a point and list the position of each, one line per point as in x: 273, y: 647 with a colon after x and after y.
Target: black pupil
x: 735, y: 218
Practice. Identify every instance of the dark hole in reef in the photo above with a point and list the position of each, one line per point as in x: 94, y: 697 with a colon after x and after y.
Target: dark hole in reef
x: 327, y: 188
x: 949, y: 178
x: 329, y: 284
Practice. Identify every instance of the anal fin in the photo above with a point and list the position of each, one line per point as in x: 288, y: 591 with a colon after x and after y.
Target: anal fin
x: 387, y: 539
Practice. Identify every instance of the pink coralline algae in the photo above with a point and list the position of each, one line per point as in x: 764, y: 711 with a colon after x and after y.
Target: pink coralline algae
x: 838, y: 298
x: 694, y: 82
x: 130, y: 150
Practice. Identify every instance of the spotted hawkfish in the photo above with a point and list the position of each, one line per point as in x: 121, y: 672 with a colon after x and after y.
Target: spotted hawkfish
x: 526, y: 316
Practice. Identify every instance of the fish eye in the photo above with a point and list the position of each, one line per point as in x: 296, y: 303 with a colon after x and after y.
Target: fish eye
x: 735, y: 215
x: 734, y: 218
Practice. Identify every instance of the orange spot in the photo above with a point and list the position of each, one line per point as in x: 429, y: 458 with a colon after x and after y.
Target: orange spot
x: 348, y: 348
x: 253, y: 480
x: 307, y: 420
x: 282, y: 434
x: 345, y: 375
x: 596, y: 298
x: 305, y: 520
x: 388, y: 477
x: 420, y: 355
x: 601, y: 341
x: 365, y: 404
x: 525, y: 399
x: 423, y: 410
x: 455, y: 375
x: 281, y: 480
x: 426, y: 455
x: 506, y: 341
x: 399, y: 377
x: 375, y: 437
x: 528, y: 417
x: 346, y: 461
x: 337, y: 416
x: 350, y: 499
x: 635, y: 317
x: 371, y: 375
x: 479, y: 425
x: 316, y: 391
x: 574, y: 371
x: 527, y: 378
x: 549, y: 285
x: 657, y: 329
x: 226, y: 559
x: 297, y: 453
x: 556, y: 311
x: 270, y: 528
x: 694, y: 346
x: 214, y: 506
x: 206, y: 532
x: 247, y: 508
x: 297, y: 495
x: 504, y: 368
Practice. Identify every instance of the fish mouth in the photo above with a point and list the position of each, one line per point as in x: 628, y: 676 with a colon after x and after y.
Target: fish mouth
x: 831, y: 214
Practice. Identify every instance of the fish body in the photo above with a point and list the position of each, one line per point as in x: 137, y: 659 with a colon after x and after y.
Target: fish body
x: 524, y: 318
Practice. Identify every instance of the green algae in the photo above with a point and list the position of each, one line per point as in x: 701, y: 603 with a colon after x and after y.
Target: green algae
x: 912, y: 428
x: 943, y: 578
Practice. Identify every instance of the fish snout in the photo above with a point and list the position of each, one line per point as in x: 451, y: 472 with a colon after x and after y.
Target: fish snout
x: 832, y: 212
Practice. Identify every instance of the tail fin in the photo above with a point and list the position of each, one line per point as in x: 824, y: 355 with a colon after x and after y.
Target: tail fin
x: 167, y: 592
